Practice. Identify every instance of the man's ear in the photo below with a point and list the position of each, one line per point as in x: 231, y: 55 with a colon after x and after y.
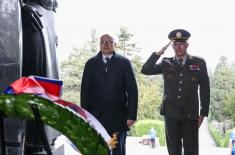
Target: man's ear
x: 187, y: 45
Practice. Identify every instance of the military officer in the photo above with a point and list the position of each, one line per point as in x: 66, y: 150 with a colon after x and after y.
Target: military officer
x: 183, y: 75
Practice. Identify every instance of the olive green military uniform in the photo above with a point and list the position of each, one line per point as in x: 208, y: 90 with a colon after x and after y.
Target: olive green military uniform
x: 180, y: 104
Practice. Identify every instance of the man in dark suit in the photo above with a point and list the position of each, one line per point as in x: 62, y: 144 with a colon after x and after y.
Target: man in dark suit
x: 109, y: 91
x: 182, y: 75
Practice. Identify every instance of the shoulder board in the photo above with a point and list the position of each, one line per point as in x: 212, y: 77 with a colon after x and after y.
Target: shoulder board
x: 167, y: 58
x: 198, y: 57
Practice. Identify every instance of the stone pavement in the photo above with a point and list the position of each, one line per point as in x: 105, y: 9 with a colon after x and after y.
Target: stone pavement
x: 134, y: 147
x: 206, y: 143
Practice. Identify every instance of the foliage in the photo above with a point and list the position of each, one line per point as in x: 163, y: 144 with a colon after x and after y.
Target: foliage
x: 125, y: 45
x: 72, y: 68
x: 142, y: 128
x: 150, y: 88
x: 150, y: 92
x: 229, y: 106
x: 222, y: 101
x: 222, y: 83
x: 220, y: 140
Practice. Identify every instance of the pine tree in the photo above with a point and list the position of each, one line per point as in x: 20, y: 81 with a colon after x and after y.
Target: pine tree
x: 222, y: 83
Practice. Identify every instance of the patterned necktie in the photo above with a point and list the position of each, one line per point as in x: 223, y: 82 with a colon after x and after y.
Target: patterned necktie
x: 107, y: 63
x: 107, y: 60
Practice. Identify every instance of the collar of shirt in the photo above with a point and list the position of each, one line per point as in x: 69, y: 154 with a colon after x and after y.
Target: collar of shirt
x: 184, y: 59
x: 106, y: 56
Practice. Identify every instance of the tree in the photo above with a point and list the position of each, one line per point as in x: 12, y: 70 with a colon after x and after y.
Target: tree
x: 149, y: 89
x: 229, y: 109
x: 233, y: 67
x: 93, y: 43
x: 229, y: 100
x: 222, y: 83
x: 72, y: 68
x: 125, y: 45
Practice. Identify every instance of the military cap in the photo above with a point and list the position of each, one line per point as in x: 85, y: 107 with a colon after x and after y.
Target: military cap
x: 179, y: 35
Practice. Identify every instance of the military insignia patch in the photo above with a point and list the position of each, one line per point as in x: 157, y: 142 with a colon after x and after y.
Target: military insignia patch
x: 178, y: 35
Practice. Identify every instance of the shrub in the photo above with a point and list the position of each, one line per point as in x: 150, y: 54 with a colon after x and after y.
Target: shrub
x: 220, y: 140
x: 142, y: 127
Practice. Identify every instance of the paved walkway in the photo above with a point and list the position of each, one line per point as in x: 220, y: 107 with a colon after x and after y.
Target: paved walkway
x: 207, y: 145
x: 205, y: 139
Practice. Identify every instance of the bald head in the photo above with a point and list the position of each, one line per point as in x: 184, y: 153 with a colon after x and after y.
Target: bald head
x: 107, y: 44
x: 107, y: 36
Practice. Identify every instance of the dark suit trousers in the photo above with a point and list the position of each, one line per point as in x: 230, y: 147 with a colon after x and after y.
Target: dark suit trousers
x: 121, y: 146
x: 181, y: 132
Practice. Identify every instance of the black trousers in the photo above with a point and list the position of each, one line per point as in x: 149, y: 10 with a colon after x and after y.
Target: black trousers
x: 181, y: 132
x: 121, y: 146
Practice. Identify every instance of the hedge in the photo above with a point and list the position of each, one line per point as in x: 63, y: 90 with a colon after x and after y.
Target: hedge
x: 142, y: 127
x: 220, y: 140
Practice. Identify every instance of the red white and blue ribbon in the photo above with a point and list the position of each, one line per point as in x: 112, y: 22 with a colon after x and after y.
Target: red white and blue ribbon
x: 52, y: 89
x: 48, y: 88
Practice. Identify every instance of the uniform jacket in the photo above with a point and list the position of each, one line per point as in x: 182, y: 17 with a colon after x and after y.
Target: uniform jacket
x: 181, y: 86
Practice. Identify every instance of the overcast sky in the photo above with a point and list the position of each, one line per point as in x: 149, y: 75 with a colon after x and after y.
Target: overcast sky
x: 210, y: 22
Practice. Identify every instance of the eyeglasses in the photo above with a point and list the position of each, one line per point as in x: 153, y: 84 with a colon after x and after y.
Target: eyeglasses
x: 106, y: 42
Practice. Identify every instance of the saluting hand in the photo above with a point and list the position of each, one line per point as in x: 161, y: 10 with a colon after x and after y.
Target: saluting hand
x: 163, y: 49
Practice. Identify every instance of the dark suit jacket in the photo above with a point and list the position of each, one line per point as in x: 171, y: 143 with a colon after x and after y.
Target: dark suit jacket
x: 110, y: 96
x: 181, y: 86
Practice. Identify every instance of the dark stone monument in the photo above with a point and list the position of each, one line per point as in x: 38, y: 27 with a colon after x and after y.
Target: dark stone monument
x: 10, y: 42
x: 29, y: 23
x: 10, y: 70
x: 39, y: 39
x: 39, y: 58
